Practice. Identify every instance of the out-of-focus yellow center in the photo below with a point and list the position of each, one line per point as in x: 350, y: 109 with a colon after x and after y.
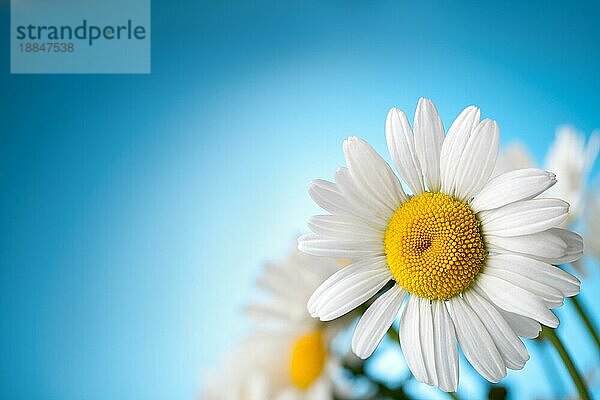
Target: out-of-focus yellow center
x: 307, y: 359
x: 434, y: 246
x: 344, y: 262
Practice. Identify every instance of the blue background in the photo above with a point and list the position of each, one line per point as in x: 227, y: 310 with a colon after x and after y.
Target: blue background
x: 136, y: 210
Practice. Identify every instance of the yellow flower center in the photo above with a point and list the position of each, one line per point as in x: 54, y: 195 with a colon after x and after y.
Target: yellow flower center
x: 307, y: 359
x: 434, y: 246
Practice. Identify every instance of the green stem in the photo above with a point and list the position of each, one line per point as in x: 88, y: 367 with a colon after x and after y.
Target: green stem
x: 391, y: 393
x: 586, y: 320
x: 452, y: 395
x: 393, y: 334
x: 551, y: 335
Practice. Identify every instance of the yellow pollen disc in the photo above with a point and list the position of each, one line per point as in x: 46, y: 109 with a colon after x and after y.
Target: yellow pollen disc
x: 434, y: 246
x: 307, y: 359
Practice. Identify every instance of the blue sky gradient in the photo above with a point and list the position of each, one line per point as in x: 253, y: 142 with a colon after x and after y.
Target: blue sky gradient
x: 136, y: 210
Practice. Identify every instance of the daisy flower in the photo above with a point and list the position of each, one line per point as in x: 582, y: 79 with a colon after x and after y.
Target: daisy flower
x: 472, y: 256
x: 295, y: 351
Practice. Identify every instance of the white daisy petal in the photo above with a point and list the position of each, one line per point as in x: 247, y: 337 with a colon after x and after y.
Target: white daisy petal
x: 574, y: 249
x: 551, y: 296
x: 429, y: 136
x: 507, y: 342
x: 344, y: 227
x: 524, y: 217
x: 446, y: 353
x: 376, y: 264
x: 521, y: 184
x: 373, y: 174
x: 477, y: 160
x: 359, y: 198
x: 328, y: 197
x: 376, y: 321
x: 541, y: 244
x: 515, y: 299
x: 410, y: 339
x: 319, y: 246
x: 350, y: 293
x: 454, y: 145
x: 523, y: 326
x: 344, y: 292
x: 476, y: 342
x: 400, y: 141
x: 427, y: 339
x: 536, y: 270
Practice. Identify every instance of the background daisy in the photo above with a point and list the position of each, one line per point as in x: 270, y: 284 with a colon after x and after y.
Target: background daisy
x: 294, y: 350
x: 571, y: 158
x: 273, y: 366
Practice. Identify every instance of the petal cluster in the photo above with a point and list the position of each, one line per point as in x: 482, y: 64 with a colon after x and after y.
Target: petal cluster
x: 517, y: 284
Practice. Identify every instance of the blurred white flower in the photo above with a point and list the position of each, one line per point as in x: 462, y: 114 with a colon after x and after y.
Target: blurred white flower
x: 289, y: 355
x: 285, y: 287
x: 591, y: 227
x: 514, y: 156
x: 471, y: 254
x: 571, y: 159
x: 290, y: 365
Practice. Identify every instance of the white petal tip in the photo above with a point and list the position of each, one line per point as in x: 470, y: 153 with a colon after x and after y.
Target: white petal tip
x: 360, y: 354
x: 486, y: 123
x: 313, y: 184
x: 394, y: 112
x: 552, y: 323
x: 448, y: 389
x: 301, y: 245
